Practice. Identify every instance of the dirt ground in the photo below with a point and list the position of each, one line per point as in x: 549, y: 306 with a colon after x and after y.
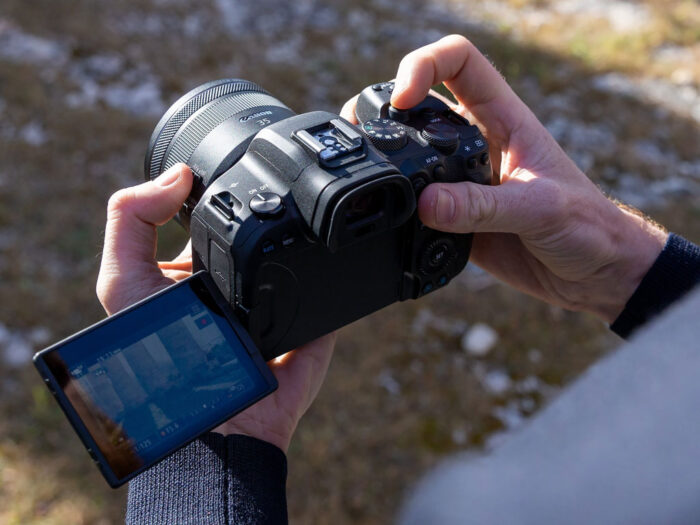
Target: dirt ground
x: 83, y: 82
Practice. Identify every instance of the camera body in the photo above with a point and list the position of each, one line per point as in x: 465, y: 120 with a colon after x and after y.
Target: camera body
x: 305, y: 222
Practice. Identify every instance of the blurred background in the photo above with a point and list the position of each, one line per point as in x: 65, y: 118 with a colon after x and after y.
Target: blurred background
x: 83, y: 82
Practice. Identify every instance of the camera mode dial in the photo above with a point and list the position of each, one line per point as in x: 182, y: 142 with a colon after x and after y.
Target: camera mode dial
x: 441, y: 135
x: 385, y: 134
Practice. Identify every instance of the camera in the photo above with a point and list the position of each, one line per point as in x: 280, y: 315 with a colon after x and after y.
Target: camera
x: 306, y: 222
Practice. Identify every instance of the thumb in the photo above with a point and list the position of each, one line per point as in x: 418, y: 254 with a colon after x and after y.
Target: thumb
x: 130, y: 234
x: 518, y: 206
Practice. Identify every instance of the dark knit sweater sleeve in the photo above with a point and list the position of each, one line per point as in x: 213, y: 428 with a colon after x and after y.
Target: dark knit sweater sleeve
x: 214, y: 480
x: 675, y: 272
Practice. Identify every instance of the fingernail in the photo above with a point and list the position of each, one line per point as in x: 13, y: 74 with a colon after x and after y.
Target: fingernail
x: 169, y: 177
x: 444, y: 207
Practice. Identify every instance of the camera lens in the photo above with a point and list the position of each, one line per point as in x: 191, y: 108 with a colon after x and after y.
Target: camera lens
x: 211, y: 126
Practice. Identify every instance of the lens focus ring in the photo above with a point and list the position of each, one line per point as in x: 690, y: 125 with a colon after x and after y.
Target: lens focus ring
x: 182, y: 110
x: 202, y: 123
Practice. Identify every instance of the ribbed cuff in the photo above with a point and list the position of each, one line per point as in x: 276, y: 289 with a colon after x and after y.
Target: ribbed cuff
x: 674, y: 273
x: 215, y: 479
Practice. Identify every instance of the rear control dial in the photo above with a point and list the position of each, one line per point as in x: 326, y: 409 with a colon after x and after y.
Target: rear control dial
x: 385, y: 134
x: 441, y: 135
x: 437, y: 255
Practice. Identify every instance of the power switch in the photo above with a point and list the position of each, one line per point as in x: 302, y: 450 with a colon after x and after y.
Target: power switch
x: 266, y: 205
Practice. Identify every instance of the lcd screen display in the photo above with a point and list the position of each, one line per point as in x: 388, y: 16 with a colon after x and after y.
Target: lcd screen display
x: 155, y: 377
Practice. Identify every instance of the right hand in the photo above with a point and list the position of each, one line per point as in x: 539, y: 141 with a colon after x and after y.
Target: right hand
x: 546, y: 229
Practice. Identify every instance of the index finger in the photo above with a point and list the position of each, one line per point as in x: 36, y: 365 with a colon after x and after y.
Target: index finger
x: 348, y: 111
x: 475, y: 83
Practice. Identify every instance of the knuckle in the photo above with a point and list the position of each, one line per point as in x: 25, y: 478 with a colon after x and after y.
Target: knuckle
x: 549, y: 199
x: 459, y: 40
x: 479, y: 207
x: 120, y: 200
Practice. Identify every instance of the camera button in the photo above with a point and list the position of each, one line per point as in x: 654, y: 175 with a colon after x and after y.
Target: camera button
x: 442, y: 281
x: 471, y: 163
x: 402, y: 115
x: 428, y: 288
x: 428, y: 113
x: 266, y: 205
x: 440, y: 173
x: 419, y: 184
x: 268, y: 247
x: 485, y: 159
x: 288, y: 240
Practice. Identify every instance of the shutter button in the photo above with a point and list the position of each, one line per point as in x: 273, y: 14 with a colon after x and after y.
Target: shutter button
x: 266, y: 205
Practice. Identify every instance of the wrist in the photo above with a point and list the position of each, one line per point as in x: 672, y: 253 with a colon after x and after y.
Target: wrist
x: 256, y: 429
x: 638, y: 242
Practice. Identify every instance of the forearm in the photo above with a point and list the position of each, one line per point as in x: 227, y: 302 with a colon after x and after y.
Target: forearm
x: 215, y: 479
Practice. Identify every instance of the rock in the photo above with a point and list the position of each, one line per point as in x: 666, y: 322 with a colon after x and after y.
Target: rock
x: 17, y: 46
x: 459, y: 436
x: 510, y: 415
x: 387, y: 382
x: 479, y: 340
x: 497, y: 382
x: 528, y: 385
x: 33, y: 134
x: 623, y: 16
x: 534, y: 355
x: 5, y: 334
x: 426, y: 319
x: 682, y: 99
x: 17, y: 351
x: 39, y: 335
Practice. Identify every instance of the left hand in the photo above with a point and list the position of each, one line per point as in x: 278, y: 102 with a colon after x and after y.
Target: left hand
x: 129, y: 272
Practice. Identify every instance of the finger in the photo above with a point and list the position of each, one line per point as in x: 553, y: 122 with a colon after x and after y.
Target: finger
x: 182, y: 262
x: 128, y: 260
x: 307, y: 365
x: 348, y: 111
x: 133, y: 214
x: 475, y: 83
x: 521, y: 205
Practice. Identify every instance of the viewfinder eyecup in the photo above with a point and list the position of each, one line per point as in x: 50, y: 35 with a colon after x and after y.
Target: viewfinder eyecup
x: 370, y: 209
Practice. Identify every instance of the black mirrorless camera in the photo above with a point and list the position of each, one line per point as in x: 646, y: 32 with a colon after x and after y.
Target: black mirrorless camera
x: 305, y: 222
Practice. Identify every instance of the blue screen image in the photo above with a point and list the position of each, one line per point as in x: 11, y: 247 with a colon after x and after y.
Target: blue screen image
x: 157, y: 376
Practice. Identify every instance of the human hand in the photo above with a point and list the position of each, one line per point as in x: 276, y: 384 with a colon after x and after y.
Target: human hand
x: 129, y: 272
x: 546, y: 229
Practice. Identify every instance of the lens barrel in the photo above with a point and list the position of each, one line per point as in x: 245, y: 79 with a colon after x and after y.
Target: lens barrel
x: 195, y: 116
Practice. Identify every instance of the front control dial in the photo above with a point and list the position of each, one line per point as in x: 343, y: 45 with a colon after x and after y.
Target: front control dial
x: 441, y: 135
x: 385, y: 134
